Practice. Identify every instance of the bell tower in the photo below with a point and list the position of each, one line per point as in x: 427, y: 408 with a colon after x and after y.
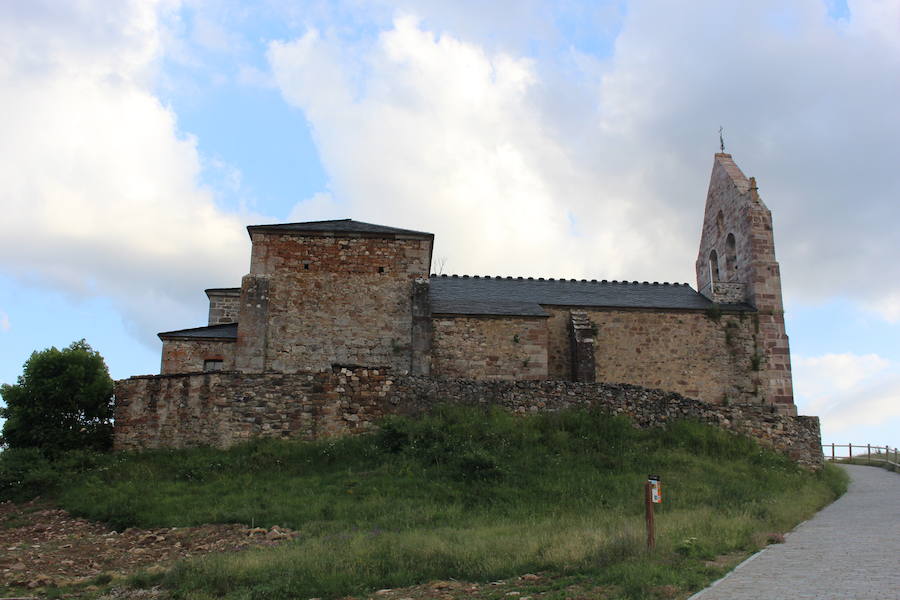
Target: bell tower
x: 736, y: 265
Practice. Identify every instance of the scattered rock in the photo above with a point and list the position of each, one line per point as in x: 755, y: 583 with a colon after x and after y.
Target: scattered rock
x: 74, y: 551
x: 39, y: 582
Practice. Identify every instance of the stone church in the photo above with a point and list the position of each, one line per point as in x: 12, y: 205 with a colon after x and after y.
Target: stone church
x: 328, y: 296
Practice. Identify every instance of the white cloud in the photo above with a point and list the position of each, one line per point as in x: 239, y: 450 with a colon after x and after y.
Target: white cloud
x: 507, y: 162
x: 101, y: 192
x: 442, y: 135
x: 848, y: 391
x: 320, y: 207
x: 4, y: 322
x: 823, y: 380
x: 887, y: 307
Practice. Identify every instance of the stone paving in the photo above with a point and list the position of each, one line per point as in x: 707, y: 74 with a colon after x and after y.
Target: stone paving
x: 848, y: 551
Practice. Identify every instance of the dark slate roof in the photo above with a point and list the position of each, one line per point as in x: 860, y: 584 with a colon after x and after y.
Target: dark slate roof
x: 215, y: 332
x: 340, y: 226
x: 223, y: 291
x: 464, y: 295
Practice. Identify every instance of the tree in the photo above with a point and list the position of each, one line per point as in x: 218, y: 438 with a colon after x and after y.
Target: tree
x: 63, y: 400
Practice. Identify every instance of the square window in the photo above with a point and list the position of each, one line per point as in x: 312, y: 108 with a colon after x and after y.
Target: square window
x: 212, y: 364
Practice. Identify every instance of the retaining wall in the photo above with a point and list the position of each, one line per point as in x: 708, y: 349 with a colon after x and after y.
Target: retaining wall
x: 223, y: 408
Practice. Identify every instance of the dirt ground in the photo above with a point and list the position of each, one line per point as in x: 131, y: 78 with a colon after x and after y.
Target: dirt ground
x: 42, y: 546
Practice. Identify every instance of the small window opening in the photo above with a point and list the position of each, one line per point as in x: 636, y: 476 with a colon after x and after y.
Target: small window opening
x: 720, y: 222
x: 730, y: 256
x: 306, y: 266
x: 381, y: 269
x: 713, y: 267
x: 213, y: 364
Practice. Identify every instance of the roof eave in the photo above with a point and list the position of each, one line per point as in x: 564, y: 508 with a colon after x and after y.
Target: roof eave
x: 193, y: 338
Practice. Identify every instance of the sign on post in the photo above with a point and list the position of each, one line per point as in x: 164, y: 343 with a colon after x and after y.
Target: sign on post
x: 652, y: 495
x: 655, y: 489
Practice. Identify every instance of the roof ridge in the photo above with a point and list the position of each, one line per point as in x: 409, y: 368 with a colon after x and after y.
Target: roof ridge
x: 555, y: 280
x: 338, y: 226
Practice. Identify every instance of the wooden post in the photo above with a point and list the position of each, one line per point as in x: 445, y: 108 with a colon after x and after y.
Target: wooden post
x: 832, y: 451
x: 851, y: 453
x: 868, y: 454
x: 648, y: 500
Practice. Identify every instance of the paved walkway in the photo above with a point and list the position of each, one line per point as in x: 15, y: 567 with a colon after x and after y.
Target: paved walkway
x: 848, y: 551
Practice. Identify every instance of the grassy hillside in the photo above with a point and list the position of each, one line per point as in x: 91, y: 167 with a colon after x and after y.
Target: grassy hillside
x: 462, y: 494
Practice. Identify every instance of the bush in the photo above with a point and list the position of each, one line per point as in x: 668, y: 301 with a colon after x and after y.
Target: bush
x: 62, y: 401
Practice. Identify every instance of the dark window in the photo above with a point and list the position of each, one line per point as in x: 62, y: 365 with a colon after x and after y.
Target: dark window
x: 381, y: 269
x: 730, y: 256
x: 214, y: 364
x: 713, y: 267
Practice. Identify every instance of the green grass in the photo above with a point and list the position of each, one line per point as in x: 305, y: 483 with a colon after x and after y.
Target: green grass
x: 877, y: 459
x: 462, y: 494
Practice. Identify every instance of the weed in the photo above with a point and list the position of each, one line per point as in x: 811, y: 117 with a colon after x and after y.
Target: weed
x: 756, y: 361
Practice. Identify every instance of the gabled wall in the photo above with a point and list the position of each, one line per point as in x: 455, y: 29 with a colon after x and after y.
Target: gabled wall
x: 315, y: 300
x: 737, y: 249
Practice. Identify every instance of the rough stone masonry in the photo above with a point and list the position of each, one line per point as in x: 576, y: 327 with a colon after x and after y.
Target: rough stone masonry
x: 326, y: 296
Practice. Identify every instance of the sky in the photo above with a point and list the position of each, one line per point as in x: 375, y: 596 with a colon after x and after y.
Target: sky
x: 558, y: 139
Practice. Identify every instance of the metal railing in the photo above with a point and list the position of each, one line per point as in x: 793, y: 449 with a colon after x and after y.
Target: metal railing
x: 882, y: 454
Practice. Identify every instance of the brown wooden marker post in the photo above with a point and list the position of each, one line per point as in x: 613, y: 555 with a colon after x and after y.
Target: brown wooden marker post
x: 651, y: 538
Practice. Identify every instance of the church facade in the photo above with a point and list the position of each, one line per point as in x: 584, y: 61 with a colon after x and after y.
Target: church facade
x: 340, y: 295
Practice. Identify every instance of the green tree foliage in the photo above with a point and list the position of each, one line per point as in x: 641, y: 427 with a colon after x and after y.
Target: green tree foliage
x: 63, y: 401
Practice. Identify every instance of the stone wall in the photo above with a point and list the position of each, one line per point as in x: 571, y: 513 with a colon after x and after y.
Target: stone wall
x: 727, y: 293
x: 708, y: 357
x: 224, y: 305
x: 329, y: 299
x: 187, y: 356
x: 223, y: 408
x: 489, y: 347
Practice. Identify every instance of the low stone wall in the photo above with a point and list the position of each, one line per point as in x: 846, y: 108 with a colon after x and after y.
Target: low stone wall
x: 224, y: 408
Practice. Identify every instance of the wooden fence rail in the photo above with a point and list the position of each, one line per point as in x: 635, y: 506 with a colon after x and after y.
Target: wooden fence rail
x: 884, y: 454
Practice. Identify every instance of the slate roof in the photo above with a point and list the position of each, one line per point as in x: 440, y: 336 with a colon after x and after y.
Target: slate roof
x: 215, y: 332
x: 465, y: 295
x: 522, y: 297
x: 233, y: 291
x: 340, y: 226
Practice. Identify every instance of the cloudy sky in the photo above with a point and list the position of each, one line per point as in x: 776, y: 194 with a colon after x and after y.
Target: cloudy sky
x: 566, y: 139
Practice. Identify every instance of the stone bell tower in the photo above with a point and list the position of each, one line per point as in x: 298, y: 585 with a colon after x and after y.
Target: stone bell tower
x: 736, y: 264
